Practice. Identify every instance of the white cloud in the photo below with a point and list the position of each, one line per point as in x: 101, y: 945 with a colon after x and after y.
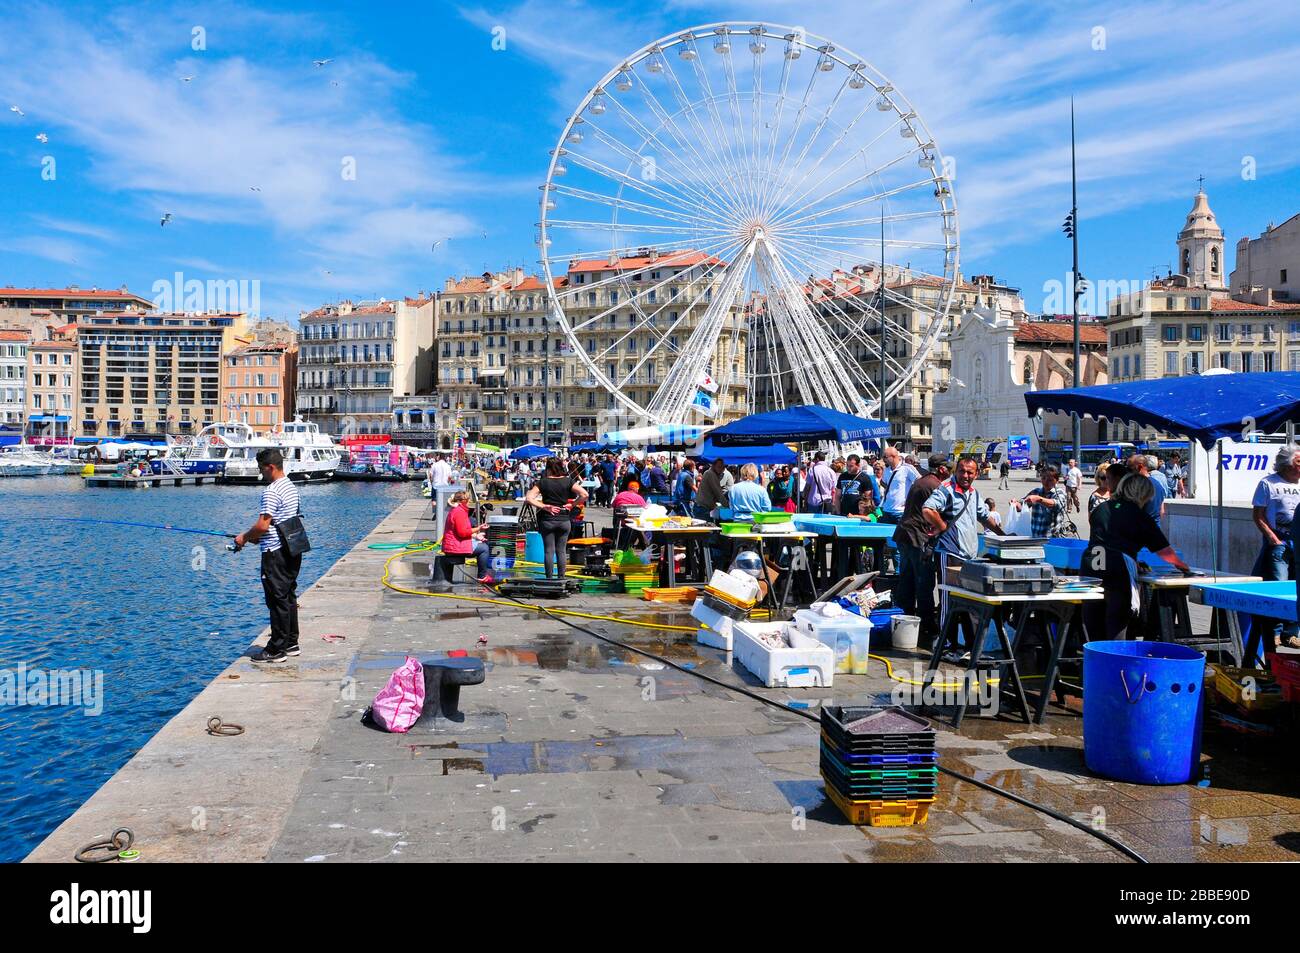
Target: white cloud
x: 246, y: 142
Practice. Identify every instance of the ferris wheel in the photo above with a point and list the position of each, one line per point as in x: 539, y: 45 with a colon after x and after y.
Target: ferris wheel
x: 742, y: 175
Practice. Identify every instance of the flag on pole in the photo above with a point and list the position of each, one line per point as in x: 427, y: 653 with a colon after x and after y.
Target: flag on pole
x: 705, y: 403
x: 707, y: 383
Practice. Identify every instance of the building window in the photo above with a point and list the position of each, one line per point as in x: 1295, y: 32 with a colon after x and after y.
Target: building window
x: 1171, y: 362
x: 1172, y: 333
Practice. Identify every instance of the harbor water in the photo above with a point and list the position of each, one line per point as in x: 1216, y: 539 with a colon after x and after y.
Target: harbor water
x: 156, y: 614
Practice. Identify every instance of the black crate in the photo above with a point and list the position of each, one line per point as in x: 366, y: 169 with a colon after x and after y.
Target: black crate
x: 879, y: 792
x: 873, y: 730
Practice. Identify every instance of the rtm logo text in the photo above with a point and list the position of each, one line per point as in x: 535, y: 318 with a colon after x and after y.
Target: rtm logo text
x: 74, y: 906
x: 1244, y: 461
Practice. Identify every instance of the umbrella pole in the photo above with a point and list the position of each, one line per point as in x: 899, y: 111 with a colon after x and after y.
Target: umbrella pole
x: 1218, y: 519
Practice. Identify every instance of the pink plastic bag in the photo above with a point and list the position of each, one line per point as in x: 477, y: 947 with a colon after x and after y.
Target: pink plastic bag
x: 398, y: 705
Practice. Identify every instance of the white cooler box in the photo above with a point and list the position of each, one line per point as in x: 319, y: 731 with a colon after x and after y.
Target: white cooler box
x: 806, y: 664
x: 848, y: 635
x: 715, y: 628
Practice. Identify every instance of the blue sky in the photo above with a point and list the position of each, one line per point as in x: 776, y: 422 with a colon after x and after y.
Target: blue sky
x: 450, y: 135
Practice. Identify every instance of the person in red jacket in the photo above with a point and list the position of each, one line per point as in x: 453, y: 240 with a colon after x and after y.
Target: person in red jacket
x: 460, y: 538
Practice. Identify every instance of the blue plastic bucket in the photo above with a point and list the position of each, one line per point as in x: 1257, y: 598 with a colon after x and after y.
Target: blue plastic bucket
x: 1142, y: 706
x: 534, y: 551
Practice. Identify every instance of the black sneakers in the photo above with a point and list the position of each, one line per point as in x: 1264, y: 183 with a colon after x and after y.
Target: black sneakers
x: 270, y: 654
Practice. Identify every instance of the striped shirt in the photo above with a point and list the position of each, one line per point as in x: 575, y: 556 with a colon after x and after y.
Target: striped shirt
x: 279, y: 501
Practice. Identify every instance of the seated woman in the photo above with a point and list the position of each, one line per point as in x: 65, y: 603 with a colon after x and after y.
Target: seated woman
x: 747, y: 495
x: 1121, y: 528
x: 630, y: 496
x: 459, y: 538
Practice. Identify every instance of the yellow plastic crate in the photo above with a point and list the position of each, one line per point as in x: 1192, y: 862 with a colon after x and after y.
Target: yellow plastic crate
x: 1228, y: 683
x: 729, y: 599
x: 674, y: 594
x: 882, y: 813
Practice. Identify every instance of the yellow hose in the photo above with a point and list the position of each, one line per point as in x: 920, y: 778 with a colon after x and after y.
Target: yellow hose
x: 389, y: 584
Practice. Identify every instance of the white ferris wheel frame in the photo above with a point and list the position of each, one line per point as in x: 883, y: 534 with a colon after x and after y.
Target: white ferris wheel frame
x: 882, y: 88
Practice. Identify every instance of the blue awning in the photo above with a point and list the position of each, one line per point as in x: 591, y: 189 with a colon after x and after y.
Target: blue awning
x: 48, y: 418
x: 530, y: 451
x: 1205, y: 408
x: 777, y: 453
x: 804, y: 424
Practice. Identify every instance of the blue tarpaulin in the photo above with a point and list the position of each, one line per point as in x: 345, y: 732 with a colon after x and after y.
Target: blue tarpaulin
x: 594, y: 446
x: 777, y: 453
x: 805, y: 424
x: 530, y: 451
x: 1205, y: 408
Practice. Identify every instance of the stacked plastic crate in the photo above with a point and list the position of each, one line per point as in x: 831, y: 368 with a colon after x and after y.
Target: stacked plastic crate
x: 880, y: 765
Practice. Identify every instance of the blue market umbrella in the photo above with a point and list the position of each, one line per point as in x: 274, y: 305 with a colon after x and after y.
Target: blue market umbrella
x: 803, y: 424
x: 530, y: 451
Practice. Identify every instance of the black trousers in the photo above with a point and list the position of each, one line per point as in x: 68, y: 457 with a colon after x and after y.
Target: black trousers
x: 555, y: 538
x: 280, y: 583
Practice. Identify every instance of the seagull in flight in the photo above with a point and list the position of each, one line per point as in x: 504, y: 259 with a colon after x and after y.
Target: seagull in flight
x: 254, y: 188
x: 319, y: 63
x: 42, y: 137
x: 187, y: 79
x: 15, y: 109
x: 167, y: 217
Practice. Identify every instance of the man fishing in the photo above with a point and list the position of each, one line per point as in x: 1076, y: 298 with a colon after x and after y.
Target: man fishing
x: 279, y: 568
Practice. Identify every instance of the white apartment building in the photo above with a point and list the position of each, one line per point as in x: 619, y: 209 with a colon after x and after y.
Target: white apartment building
x: 13, y: 377
x: 353, y: 360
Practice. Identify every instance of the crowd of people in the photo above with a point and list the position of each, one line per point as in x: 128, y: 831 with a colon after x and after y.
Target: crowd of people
x: 937, y: 509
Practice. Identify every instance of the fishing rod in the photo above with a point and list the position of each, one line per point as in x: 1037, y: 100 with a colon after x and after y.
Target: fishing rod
x: 87, y: 519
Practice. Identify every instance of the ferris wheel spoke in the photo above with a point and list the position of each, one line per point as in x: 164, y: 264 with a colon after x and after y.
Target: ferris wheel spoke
x: 790, y: 214
x: 736, y: 130
x: 648, y: 319
x: 678, y: 388
x: 791, y: 197
x: 678, y: 258
x: 719, y: 128
x: 678, y: 201
x: 688, y: 166
x: 817, y: 130
x: 614, y: 201
x: 645, y: 293
x: 873, y: 220
x: 685, y: 142
x: 710, y: 138
x: 856, y: 203
x: 856, y: 327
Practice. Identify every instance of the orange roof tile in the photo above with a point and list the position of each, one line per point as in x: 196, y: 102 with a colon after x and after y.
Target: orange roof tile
x: 684, y: 258
x: 1232, y: 304
x: 66, y: 293
x: 15, y: 335
x: 1052, y: 332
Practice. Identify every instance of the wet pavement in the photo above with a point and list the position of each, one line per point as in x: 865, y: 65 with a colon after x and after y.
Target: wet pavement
x: 579, y: 748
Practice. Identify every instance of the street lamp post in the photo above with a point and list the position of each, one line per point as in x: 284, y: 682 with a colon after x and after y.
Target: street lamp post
x: 1078, y: 285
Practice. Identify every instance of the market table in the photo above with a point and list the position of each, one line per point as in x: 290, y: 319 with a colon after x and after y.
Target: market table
x: 1271, y: 600
x: 844, y: 535
x: 688, y: 538
x: 1062, y: 606
x: 1166, y: 615
x: 799, y: 561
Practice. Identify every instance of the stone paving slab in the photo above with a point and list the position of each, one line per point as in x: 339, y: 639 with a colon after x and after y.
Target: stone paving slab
x: 576, y: 749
